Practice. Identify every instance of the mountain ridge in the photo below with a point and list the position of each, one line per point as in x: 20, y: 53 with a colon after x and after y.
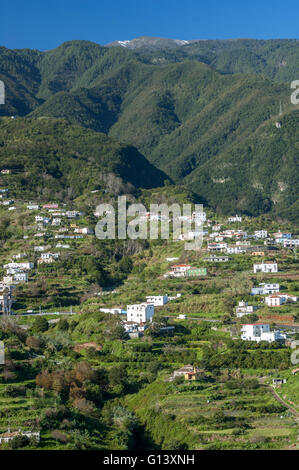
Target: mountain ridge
x: 184, y: 116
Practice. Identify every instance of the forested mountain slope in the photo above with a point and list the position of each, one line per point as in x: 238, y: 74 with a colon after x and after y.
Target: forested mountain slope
x: 191, y: 121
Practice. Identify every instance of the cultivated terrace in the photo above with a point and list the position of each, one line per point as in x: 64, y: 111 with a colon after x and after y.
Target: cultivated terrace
x: 141, y: 344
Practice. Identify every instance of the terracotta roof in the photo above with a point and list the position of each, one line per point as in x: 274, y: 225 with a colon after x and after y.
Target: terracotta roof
x: 179, y: 265
x: 9, y: 434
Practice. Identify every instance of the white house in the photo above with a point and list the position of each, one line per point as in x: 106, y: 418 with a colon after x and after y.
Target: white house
x: 10, y: 271
x: 45, y: 260
x: 273, y: 336
x: 85, y: 230
x: 251, y: 332
x: 274, y: 300
x: 114, y: 311
x: 140, y: 313
x: 217, y: 246
x: 22, y: 266
x: 157, y: 300
x: 199, y: 217
x: 189, y: 236
x: 244, y: 309
x: 56, y: 221
x: 8, y: 202
x: 50, y: 255
x: 179, y: 270
x: 236, y: 218
x: 9, y: 436
x: 214, y: 235
x: 285, y: 235
x: 33, y: 207
x: 39, y: 248
x: 234, y: 234
x: 294, y: 243
x: 265, y: 288
x: 261, y: 332
x: 237, y: 250
x: 260, y: 234
x: 21, y: 277
x: 48, y: 258
x: 265, y: 267
x: 291, y: 297
x: 130, y: 326
x: 72, y: 214
x: 134, y: 329
x: 19, y: 256
x: 217, y: 259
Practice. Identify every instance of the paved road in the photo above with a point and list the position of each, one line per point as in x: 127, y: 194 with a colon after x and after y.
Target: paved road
x: 37, y: 314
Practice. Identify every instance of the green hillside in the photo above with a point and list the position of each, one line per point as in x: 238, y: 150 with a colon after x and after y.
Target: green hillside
x: 256, y: 174
x: 51, y: 158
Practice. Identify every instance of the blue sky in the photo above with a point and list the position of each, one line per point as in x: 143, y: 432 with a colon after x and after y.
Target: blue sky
x: 44, y: 24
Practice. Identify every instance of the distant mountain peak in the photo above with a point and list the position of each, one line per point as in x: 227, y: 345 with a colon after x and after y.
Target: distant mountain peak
x: 150, y: 42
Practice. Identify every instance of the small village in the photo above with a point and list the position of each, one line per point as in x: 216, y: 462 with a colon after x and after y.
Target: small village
x: 53, y: 234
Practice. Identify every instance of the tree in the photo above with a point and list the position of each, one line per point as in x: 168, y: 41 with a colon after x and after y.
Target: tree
x: 83, y: 371
x: 85, y: 407
x: 126, y: 265
x: 63, y: 324
x: 33, y: 343
x: 19, y: 441
x: 82, y: 440
x: 116, y: 329
x: 40, y: 325
x: 175, y: 444
x: 219, y: 417
x: 226, y: 319
x: 60, y: 436
x: 117, y: 375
